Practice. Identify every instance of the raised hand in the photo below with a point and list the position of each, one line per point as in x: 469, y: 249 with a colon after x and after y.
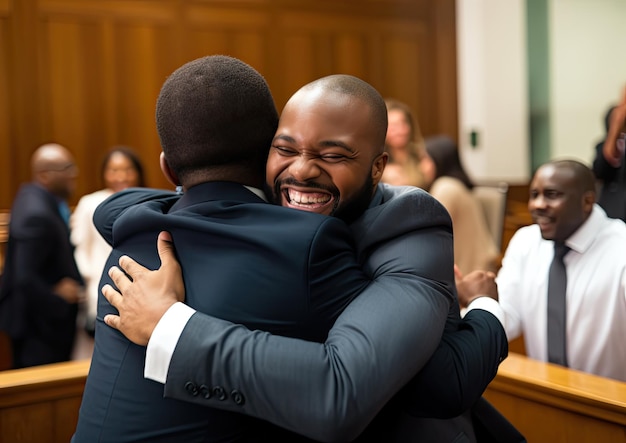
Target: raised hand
x: 476, y: 284
x: 144, y: 297
x: 613, y: 152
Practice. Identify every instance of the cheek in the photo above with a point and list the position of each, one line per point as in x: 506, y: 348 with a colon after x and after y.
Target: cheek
x: 275, y: 166
x: 347, y: 181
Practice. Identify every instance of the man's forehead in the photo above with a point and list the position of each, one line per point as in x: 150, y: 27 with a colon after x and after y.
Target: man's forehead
x: 550, y: 176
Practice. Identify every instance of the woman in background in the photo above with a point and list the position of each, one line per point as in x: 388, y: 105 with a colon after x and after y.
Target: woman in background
x: 474, y: 247
x: 121, y: 169
x: 405, y: 146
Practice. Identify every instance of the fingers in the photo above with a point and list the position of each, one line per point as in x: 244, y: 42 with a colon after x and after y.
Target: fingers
x: 120, y: 279
x: 165, y: 246
x: 457, y: 272
x: 112, y: 296
x: 112, y: 320
x: 130, y: 266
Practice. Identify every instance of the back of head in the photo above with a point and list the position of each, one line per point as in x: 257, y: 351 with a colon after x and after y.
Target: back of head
x: 445, y: 154
x: 352, y: 86
x: 216, y: 119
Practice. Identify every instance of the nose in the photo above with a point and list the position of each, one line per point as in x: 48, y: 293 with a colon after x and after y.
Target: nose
x: 536, y: 202
x: 304, y: 168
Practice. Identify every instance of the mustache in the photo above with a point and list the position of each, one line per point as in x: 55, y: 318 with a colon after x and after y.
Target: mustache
x: 308, y: 184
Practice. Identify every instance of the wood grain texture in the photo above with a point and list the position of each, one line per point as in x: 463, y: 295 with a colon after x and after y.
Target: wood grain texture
x: 86, y: 73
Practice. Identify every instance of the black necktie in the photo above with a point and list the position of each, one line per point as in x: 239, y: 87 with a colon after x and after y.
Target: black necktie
x: 557, y: 283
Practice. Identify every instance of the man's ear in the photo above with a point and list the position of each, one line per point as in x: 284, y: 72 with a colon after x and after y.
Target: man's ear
x: 589, y: 198
x: 167, y: 171
x: 378, y: 166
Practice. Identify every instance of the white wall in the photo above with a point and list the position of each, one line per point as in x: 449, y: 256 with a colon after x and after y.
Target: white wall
x: 493, y: 98
x: 587, y: 73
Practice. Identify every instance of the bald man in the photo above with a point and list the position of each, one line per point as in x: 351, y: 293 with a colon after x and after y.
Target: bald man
x: 41, y: 285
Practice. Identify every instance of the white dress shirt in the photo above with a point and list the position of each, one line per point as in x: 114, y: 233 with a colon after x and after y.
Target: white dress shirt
x: 91, y: 251
x: 596, y: 294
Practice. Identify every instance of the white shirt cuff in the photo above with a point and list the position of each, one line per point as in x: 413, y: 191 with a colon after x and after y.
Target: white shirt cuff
x: 164, y: 340
x: 487, y: 304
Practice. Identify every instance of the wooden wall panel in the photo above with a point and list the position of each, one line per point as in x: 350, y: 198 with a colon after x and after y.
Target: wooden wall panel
x: 6, y: 177
x: 86, y: 73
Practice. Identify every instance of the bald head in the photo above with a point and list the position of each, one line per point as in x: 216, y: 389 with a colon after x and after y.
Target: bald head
x: 354, y: 87
x: 53, y: 167
x: 581, y: 175
x: 51, y: 156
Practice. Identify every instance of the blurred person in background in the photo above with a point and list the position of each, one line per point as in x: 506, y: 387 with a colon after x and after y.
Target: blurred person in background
x: 41, y: 286
x: 447, y: 181
x: 405, y: 145
x: 121, y: 169
x: 608, y: 164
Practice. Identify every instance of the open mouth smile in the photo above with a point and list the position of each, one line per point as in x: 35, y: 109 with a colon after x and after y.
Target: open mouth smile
x: 310, y: 201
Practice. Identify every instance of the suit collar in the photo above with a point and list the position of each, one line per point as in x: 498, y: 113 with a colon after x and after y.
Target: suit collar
x: 219, y: 191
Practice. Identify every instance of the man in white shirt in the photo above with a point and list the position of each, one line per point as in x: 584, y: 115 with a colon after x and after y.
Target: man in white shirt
x: 562, y: 205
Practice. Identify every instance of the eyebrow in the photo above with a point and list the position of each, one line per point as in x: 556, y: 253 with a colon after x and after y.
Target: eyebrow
x: 324, y: 144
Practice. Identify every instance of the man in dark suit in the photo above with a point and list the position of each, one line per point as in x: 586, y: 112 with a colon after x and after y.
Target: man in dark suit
x: 323, y: 159
x: 216, y: 119
x: 41, y: 285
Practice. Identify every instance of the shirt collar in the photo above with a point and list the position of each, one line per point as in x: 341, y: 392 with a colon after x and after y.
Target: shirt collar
x: 584, y: 236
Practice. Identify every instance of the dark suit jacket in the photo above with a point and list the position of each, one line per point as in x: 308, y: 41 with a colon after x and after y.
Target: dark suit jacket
x: 405, y: 244
x: 265, y: 266
x: 40, y: 323
x: 613, y: 185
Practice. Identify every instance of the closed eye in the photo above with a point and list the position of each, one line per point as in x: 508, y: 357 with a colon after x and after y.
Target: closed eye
x: 285, y: 151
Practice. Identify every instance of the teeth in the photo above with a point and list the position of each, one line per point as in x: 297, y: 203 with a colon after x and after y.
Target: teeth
x: 307, y: 198
x: 540, y: 219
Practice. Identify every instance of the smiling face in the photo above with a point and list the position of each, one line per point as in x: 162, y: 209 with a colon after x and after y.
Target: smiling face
x: 120, y: 172
x: 327, y: 156
x: 398, y: 130
x: 558, y: 202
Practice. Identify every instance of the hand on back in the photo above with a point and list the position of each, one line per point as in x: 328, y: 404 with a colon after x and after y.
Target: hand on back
x: 144, y: 295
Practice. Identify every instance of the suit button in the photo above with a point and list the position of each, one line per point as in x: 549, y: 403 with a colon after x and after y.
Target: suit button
x: 205, y: 391
x: 191, y: 388
x: 238, y: 397
x: 220, y: 393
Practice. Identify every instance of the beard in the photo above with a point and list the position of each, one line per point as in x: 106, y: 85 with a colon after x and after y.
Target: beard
x: 348, y: 210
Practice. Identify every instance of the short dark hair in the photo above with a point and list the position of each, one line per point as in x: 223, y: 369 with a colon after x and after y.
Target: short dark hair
x: 131, y: 155
x: 585, y: 179
x: 355, y: 87
x: 216, y: 113
x: 444, y: 153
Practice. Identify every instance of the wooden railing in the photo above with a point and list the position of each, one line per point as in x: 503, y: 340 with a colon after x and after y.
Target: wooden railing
x: 40, y: 404
x: 547, y: 403
x: 550, y: 403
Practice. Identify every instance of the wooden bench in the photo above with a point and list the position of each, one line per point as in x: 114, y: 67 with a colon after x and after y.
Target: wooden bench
x: 550, y: 403
x: 40, y: 404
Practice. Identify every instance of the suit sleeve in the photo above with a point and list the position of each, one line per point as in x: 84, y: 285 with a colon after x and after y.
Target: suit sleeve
x: 114, y: 206
x: 38, y: 242
x: 465, y: 362
x: 328, y: 391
